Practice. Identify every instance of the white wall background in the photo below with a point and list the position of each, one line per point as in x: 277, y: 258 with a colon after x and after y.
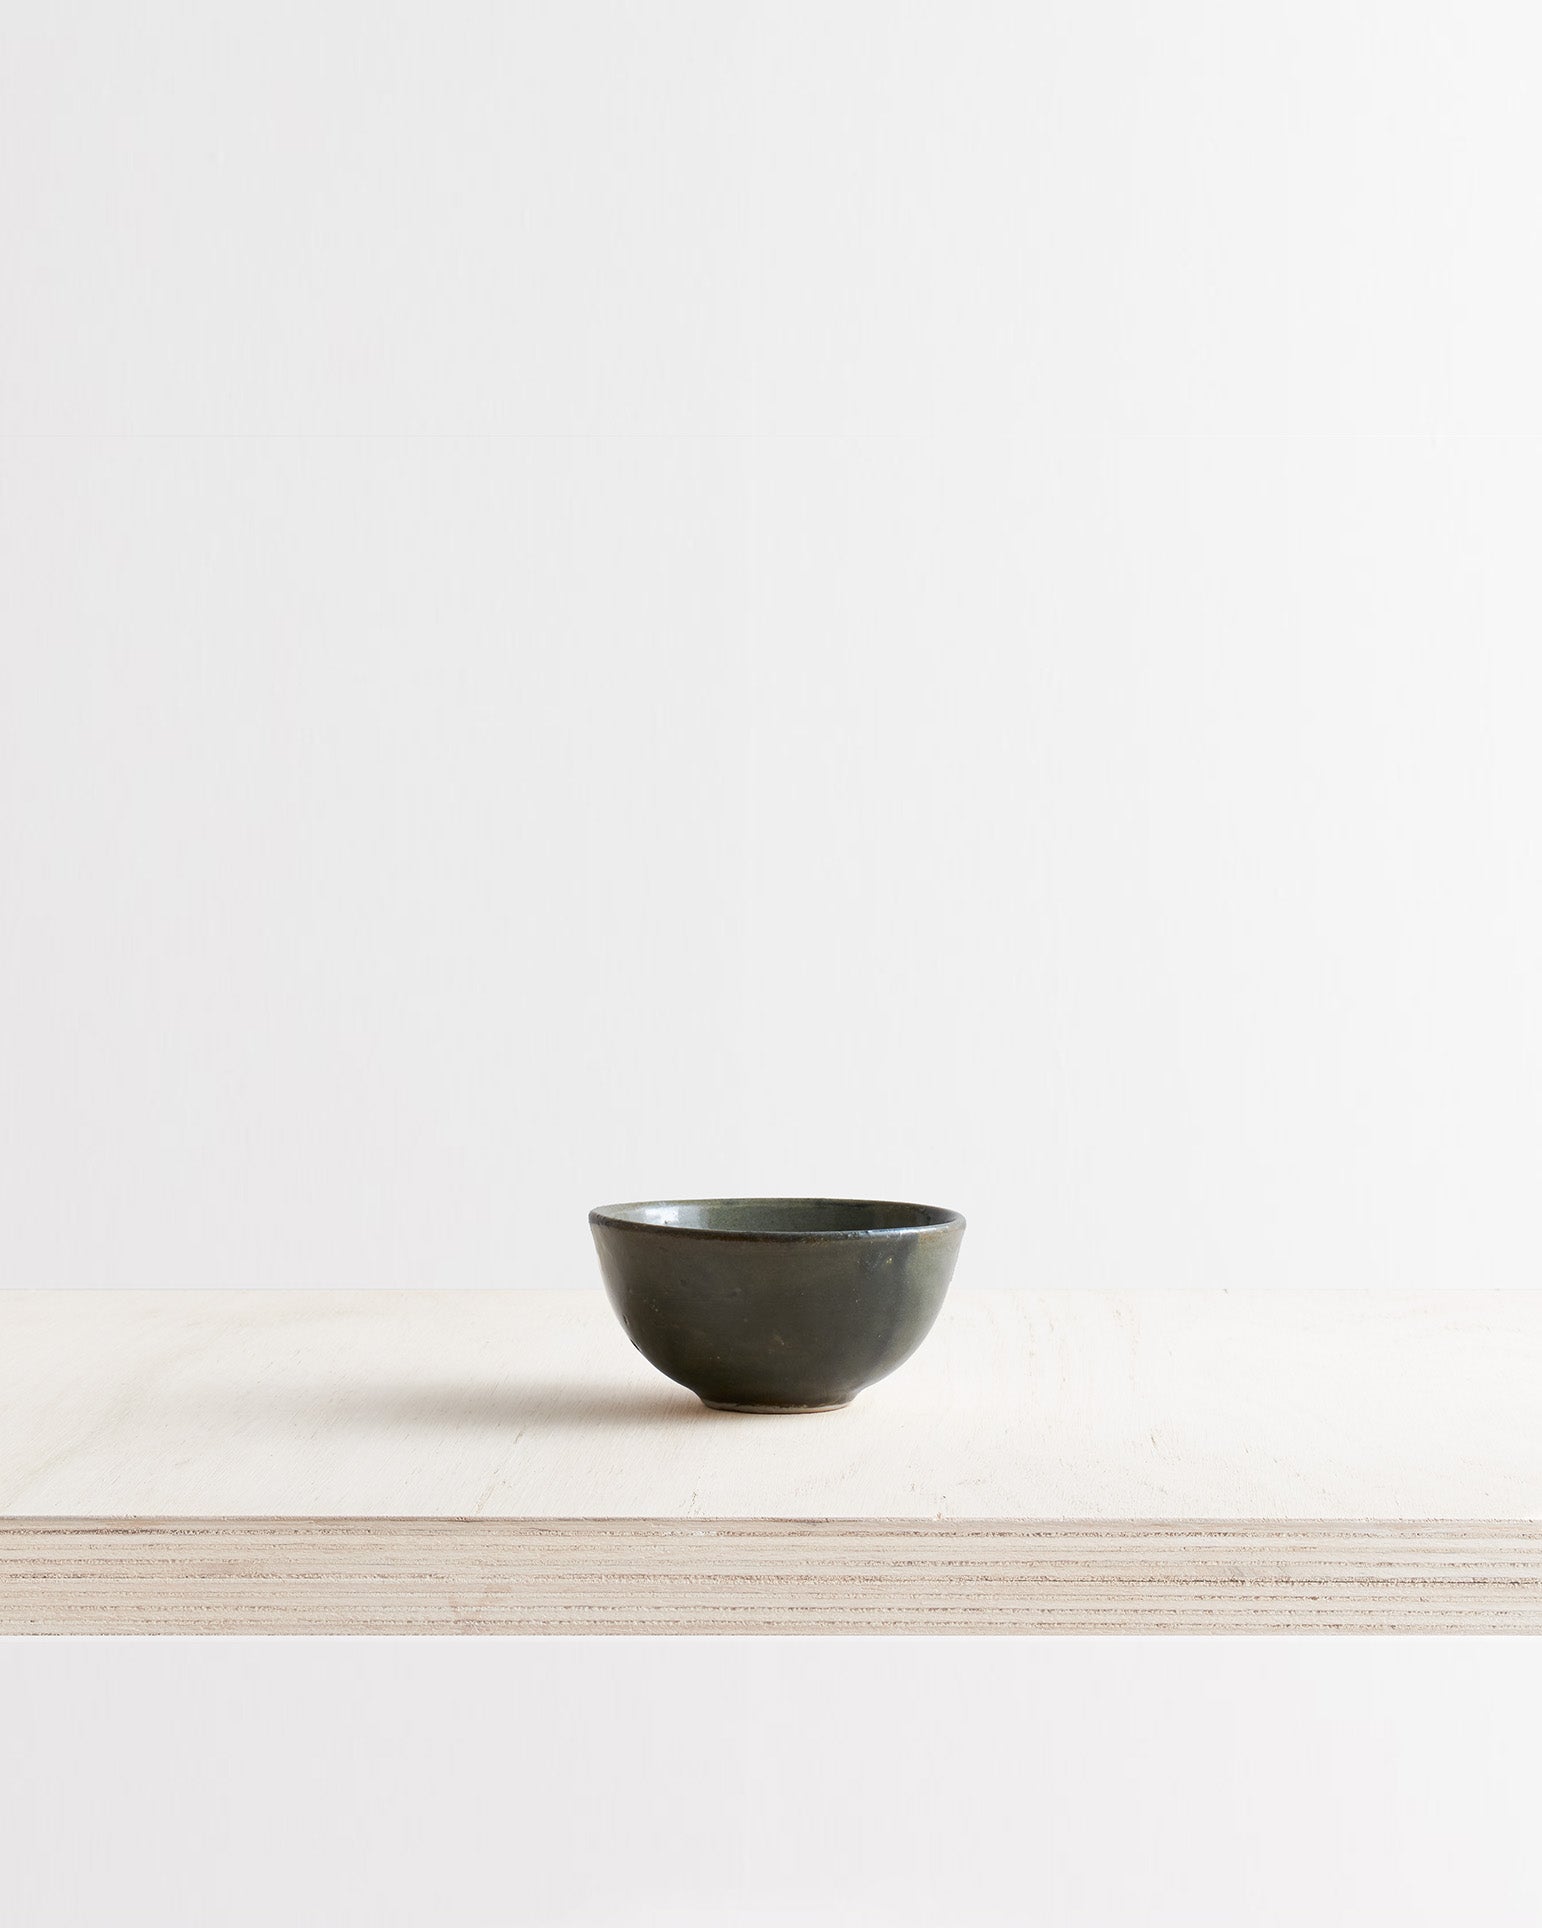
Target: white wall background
x: 1082, y: 1783
x: 607, y: 600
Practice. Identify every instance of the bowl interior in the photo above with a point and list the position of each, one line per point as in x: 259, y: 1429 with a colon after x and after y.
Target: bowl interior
x: 781, y: 1217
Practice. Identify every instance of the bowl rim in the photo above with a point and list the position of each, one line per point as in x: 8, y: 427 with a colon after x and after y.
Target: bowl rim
x: 620, y: 1217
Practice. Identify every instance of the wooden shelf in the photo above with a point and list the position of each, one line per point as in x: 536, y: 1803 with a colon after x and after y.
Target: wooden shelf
x: 482, y: 1462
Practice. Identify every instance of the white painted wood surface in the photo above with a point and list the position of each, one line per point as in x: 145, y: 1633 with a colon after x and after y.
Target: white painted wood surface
x: 1041, y: 1406
x: 480, y: 1461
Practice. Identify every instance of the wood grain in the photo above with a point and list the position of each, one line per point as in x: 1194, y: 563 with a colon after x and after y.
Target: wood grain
x: 476, y: 1462
x: 765, y: 1577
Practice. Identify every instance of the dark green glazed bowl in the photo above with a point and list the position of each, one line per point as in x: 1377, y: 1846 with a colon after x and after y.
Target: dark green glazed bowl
x: 776, y: 1305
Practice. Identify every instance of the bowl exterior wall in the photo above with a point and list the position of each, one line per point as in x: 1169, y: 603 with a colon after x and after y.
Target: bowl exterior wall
x: 802, y: 1322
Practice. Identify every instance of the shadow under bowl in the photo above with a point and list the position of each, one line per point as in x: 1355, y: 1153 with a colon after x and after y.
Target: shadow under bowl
x: 776, y: 1305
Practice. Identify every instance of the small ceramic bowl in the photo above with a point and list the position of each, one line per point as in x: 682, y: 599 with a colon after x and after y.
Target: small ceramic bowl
x: 776, y: 1305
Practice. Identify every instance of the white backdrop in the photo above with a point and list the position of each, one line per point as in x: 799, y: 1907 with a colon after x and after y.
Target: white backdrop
x: 613, y: 600
x: 1053, y: 1783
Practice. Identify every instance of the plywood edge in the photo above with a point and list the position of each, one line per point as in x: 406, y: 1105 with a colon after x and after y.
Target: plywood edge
x: 761, y: 1576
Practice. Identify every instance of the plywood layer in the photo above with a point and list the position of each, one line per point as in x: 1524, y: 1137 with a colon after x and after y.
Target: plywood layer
x: 782, y: 1577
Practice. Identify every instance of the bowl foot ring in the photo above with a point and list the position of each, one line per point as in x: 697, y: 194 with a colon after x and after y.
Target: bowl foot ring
x: 728, y: 1406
